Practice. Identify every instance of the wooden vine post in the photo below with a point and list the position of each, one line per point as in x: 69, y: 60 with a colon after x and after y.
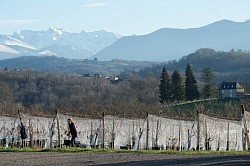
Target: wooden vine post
x: 113, y: 135
x: 103, y: 134
x: 31, y: 133
x: 13, y: 133
x: 147, y: 133
x: 189, y: 139
x: 133, y: 135
x: 245, y: 131
x: 206, y: 137
x: 198, y: 131
x: 58, y: 130
x: 157, y: 133
x: 52, y: 130
x: 227, y: 149
x: 180, y: 148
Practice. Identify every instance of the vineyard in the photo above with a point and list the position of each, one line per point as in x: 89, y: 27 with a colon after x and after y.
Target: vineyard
x: 151, y: 132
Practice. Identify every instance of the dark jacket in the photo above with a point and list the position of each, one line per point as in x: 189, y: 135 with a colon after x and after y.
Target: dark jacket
x: 72, y: 129
x: 23, y: 132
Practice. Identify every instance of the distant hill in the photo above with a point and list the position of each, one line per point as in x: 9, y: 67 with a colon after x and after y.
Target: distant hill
x: 171, y: 44
x: 74, y: 66
x: 227, y: 66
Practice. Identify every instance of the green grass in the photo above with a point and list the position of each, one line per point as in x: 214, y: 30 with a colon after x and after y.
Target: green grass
x: 199, y: 101
x: 222, y: 108
x: 84, y: 150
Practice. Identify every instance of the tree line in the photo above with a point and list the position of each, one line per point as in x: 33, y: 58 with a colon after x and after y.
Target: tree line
x: 175, y: 89
x: 41, y: 93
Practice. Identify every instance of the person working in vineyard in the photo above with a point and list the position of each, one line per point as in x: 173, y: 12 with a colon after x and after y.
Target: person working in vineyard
x: 23, y: 134
x: 72, y: 131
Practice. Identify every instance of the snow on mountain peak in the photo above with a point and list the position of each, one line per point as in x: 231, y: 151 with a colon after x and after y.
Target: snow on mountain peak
x: 59, y: 31
x: 19, y: 34
x: 47, y: 52
x: 56, y: 32
x: 7, y: 49
x: 11, y: 41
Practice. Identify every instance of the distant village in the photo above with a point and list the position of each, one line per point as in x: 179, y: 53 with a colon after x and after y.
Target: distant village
x: 113, y: 79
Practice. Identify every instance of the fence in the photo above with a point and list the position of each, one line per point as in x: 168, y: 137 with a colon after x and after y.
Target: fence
x: 153, y: 132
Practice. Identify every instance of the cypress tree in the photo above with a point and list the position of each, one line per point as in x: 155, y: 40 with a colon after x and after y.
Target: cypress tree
x: 165, y: 87
x: 191, y: 88
x: 208, y: 79
x: 177, y: 86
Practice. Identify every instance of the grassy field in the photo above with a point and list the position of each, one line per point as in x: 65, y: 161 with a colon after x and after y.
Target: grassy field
x: 224, y: 109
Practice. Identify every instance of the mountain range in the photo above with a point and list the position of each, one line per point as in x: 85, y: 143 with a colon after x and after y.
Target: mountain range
x: 162, y: 45
x: 171, y: 44
x: 55, y: 42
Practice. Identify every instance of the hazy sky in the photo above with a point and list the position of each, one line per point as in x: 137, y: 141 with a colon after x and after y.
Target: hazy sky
x: 124, y: 17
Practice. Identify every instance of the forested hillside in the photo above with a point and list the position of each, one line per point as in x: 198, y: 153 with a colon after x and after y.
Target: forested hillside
x: 39, y: 85
x: 36, y: 92
x: 227, y: 66
x: 81, y: 67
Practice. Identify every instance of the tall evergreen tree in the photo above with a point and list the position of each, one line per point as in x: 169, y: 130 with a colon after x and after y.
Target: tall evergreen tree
x: 191, y: 88
x: 165, y: 87
x: 177, y: 86
x: 208, y: 79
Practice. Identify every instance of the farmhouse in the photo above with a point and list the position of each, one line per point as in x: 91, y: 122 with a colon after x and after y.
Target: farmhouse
x: 230, y: 90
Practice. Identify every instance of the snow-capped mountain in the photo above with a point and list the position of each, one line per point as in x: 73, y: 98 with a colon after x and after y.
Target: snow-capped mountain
x: 7, y: 49
x: 13, y: 42
x: 56, y: 42
x: 11, y: 47
x: 89, y: 41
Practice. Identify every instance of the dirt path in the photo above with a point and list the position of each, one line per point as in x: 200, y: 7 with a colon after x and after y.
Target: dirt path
x: 79, y: 159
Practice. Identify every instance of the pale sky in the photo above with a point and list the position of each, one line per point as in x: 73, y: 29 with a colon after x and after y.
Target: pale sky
x: 124, y: 17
